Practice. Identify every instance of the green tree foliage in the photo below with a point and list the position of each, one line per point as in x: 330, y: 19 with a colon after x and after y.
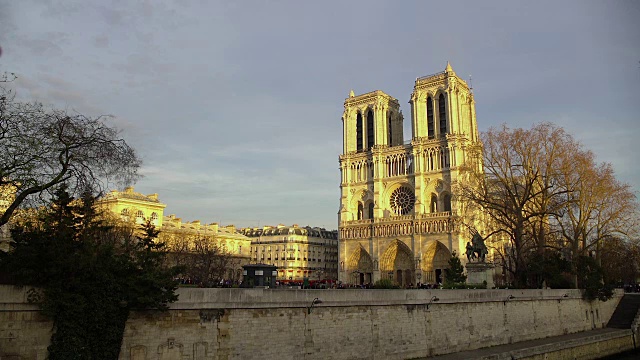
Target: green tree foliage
x: 454, y: 275
x: 90, y: 275
x: 550, y: 269
x: 591, y: 279
x: 385, y: 284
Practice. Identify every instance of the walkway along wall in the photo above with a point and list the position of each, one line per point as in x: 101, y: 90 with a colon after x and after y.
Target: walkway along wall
x: 347, y: 324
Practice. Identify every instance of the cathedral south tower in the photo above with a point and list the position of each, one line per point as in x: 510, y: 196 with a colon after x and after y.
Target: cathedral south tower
x: 398, y: 218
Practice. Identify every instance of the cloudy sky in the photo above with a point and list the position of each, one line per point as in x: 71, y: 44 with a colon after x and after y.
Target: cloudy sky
x: 235, y: 106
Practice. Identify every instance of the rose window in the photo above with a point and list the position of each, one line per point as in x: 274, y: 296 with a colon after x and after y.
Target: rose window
x: 402, y: 200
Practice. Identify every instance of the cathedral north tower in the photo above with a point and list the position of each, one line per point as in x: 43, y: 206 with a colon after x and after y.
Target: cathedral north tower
x: 397, y: 217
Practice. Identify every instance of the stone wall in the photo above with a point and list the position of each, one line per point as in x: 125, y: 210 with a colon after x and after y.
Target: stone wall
x: 348, y: 324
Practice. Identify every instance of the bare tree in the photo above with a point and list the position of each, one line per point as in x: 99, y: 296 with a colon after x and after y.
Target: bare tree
x: 43, y: 147
x: 512, y: 190
x: 540, y: 190
x: 205, y: 262
x: 598, y: 207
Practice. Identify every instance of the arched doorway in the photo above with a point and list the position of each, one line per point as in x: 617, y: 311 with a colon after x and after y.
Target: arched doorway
x: 397, y: 262
x: 434, y: 261
x: 360, y: 266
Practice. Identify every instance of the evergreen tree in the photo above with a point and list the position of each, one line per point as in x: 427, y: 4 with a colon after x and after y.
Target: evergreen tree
x: 454, y: 275
x: 90, y: 274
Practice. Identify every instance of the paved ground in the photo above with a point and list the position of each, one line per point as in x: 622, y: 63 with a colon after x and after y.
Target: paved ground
x: 495, y: 351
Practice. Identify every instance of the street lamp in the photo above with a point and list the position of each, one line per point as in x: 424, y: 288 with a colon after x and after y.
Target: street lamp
x: 315, y: 301
x: 433, y: 299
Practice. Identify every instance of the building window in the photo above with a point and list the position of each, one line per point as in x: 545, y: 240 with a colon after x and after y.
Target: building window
x: 359, y: 132
x: 443, y: 114
x: 430, y: 128
x: 139, y: 216
x: 447, y: 202
x: 390, y: 131
x: 370, y: 137
x: 434, y: 203
x: 402, y: 200
x: 154, y: 218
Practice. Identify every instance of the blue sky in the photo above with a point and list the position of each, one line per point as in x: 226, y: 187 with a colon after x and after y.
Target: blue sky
x: 235, y: 107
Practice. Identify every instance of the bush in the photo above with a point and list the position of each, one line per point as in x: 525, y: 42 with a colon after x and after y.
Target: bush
x: 385, y: 284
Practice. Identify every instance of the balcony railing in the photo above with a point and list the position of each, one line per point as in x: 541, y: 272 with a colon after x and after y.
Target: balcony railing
x: 442, y: 214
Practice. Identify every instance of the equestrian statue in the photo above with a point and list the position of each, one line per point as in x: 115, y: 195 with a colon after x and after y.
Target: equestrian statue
x: 476, y: 249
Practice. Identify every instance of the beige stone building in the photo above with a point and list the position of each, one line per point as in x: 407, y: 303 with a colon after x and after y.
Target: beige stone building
x: 137, y: 207
x: 298, y: 252
x: 134, y: 206
x: 398, y: 217
x: 7, y: 196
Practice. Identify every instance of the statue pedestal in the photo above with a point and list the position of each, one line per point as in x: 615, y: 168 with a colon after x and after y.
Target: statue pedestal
x: 479, y: 272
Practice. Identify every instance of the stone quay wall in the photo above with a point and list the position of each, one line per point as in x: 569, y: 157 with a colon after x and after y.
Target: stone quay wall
x: 347, y: 324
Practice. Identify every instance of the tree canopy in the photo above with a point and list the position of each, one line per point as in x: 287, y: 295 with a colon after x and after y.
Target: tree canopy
x: 540, y: 193
x: 90, y: 274
x: 43, y: 147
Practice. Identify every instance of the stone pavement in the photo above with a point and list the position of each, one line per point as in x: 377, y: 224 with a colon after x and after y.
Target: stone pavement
x: 532, y: 347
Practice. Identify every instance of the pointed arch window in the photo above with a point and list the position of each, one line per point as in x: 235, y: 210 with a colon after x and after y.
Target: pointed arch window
x: 447, y: 202
x: 434, y: 203
x: 370, y: 211
x: 359, y: 132
x: 360, y: 211
x: 442, y: 109
x: 389, y: 132
x: 430, y: 127
x: 370, y: 138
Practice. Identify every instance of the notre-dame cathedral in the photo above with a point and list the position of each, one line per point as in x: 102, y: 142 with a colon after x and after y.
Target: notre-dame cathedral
x: 397, y: 219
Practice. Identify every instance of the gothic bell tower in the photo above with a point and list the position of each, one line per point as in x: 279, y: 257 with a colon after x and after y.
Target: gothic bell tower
x: 397, y: 210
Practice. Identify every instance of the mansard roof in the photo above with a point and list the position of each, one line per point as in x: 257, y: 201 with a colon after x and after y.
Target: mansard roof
x: 290, y: 230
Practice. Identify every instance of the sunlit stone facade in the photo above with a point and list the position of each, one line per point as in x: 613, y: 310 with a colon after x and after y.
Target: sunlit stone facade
x: 7, y: 195
x: 137, y: 207
x: 298, y: 252
x: 134, y: 206
x: 398, y: 217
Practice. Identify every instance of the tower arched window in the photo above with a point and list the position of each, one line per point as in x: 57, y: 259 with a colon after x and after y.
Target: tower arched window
x: 430, y: 127
x: 447, y: 202
x: 370, y: 137
x: 370, y: 211
x: 389, y: 132
x: 434, y: 203
x: 360, y: 211
x: 442, y: 110
x: 359, y: 132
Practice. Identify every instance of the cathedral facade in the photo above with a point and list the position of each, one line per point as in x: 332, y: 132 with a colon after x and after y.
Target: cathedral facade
x: 398, y: 217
